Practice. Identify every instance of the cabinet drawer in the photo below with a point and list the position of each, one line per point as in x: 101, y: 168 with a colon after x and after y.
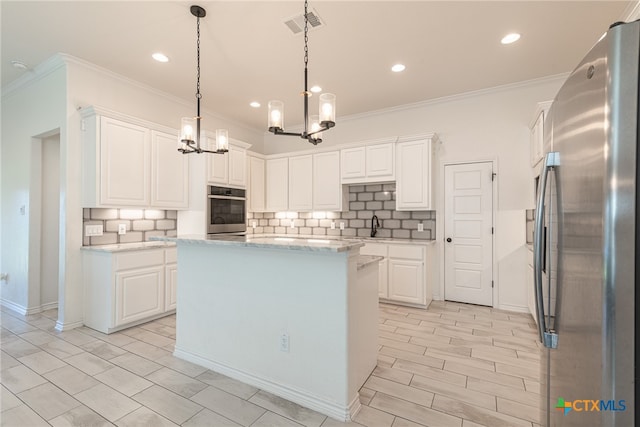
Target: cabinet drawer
x: 143, y: 258
x: 406, y: 252
x: 171, y: 255
x: 377, y: 249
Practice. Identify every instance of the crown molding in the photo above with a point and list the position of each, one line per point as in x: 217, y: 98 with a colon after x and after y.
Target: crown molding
x: 35, y: 74
x: 632, y: 12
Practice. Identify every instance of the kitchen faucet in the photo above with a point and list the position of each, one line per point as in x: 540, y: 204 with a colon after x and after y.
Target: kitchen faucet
x: 374, y: 225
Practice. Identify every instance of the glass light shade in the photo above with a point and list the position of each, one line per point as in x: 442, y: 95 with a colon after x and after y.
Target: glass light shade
x: 188, y: 130
x: 314, y: 125
x: 327, y: 108
x: 275, y: 115
x: 222, y: 140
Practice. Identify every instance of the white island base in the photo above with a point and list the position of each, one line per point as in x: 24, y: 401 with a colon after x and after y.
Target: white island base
x: 298, y: 320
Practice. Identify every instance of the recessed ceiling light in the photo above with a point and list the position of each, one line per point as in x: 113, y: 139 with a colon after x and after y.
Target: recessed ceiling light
x: 160, y: 57
x: 316, y: 89
x: 397, y: 68
x: 510, y: 38
x: 19, y: 65
x: 255, y: 104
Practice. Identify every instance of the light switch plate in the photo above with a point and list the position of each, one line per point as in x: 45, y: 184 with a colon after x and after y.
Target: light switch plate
x: 342, y: 226
x: 420, y: 226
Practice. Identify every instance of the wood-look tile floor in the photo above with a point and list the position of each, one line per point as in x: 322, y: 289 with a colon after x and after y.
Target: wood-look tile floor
x: 450, y: 365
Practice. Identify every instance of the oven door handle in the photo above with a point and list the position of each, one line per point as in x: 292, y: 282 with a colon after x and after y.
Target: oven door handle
x: 227, y: 197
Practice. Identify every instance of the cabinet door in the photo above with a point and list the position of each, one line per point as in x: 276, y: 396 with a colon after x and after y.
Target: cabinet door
x: 256, y: 184
x: 124, y: 163
x: 300, y: 183
x: 170, y: 290
x: 237, y: 158
x: 537, y: 139
x: 218, y: 168
x: 169, y: 173
x: 413, y: 182
x: 383, y: 279
x: 277, y: 184
x: 327, y: 189
x: 353, y: 163
x: 380, y: 161
x: 139, y: 294
x: 406, y: 281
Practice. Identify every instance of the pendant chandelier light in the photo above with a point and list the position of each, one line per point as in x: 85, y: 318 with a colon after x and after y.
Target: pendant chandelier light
x: 313, y: 125
x: 191, y: 138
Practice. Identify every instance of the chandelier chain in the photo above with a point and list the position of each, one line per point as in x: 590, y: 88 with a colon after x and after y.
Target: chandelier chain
x: 306, y: 36
x: 198, y: 94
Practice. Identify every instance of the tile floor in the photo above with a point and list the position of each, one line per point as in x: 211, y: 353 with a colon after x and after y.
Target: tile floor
x: 451, y: 365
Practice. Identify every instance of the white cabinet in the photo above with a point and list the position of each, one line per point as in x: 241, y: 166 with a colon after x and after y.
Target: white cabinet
x: 416, y: 174
x: 256, y: 188
x: 536, y: 142
x: 277, y: 179
x: 403, y: 273
x: 301, y: 183
x: 228, y: 169
x: 169, y: 172
x: 128, y: 162
x: 328, y: 193
x: 369, y: 163
x: 531, y: 297
x: 122, y: 289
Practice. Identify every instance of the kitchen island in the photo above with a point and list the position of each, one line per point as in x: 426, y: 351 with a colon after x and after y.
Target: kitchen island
x: 295, y: 317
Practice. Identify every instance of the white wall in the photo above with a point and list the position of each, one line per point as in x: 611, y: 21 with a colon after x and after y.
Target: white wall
x: 35, y: 110
x: 484, y: 125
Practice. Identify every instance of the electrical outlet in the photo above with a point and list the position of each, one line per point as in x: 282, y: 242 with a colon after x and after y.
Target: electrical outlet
x: 420, y: 226
x: 333, y: 225
x: 93, y: 230
x: 293, y: 224
x: 253, y: 224
x: 284, y: 342
x: 342, y: 226
x: 122, y: 228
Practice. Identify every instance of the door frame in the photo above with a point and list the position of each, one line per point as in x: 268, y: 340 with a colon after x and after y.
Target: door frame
x: 440, y: 229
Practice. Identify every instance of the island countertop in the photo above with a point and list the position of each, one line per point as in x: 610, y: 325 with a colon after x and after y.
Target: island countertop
x: 290, y: 243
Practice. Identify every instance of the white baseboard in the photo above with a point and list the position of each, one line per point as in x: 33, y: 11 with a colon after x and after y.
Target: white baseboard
x: 24, y: 311
x: 330, y: 408
x: 68, y: 326
x: 517, y: 308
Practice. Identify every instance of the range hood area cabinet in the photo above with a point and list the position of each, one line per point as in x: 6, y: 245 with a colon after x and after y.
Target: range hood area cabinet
x: 416, y: 172
x: 128, y: 162
x: 368, y: 163
x: 228, y: 169
x: 305, y: 183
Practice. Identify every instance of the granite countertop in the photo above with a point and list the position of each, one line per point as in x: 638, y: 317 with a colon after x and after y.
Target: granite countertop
x: 313, y: 244
x: 366, y: 260
x: 124, y: 247
x: 350, y: 238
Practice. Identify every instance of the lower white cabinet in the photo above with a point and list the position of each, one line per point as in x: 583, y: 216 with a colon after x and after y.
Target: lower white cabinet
x: 403, y: 273
x: 126, y: 288
x: 531, y: 297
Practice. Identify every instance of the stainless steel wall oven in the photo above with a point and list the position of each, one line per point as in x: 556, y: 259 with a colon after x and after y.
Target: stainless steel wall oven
x: 226, y: 210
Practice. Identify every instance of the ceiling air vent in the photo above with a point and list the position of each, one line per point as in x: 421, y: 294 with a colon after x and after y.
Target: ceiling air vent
x: 296, y: 23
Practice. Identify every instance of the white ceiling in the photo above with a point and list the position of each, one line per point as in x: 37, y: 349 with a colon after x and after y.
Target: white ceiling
x: 247, y: 53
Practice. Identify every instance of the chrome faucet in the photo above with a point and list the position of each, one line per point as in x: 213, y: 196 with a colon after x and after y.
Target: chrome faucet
x: 374, y: 225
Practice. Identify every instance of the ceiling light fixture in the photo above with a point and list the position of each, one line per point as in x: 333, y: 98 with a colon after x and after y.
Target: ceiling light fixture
x: 313, y: 125
x: 19, y: 65
x: 398, y: 68
x: 510, y: 38
x: 255, y: 104
x: 160, y: 57
x: 316, y: 89
x: 190, y: 143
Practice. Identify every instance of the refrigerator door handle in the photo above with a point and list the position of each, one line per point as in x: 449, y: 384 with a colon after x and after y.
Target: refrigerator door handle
x: 547, y: 337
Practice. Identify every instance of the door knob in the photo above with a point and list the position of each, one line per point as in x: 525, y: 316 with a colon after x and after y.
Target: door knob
x: 448, y: 239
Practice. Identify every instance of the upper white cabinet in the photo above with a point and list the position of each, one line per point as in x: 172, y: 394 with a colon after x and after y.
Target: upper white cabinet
x: 169, y: 172
x: 416, y: 173
x: 370, y: 163
x: 301, y: 183
x: 536, y: 142
x: 256, y: 186
x: 130, y: 162
x: 328, y: 193
x: 228, y: 169
x: 277, y: 179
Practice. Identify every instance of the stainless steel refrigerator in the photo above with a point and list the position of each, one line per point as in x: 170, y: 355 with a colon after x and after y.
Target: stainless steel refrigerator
x: 586, y: 238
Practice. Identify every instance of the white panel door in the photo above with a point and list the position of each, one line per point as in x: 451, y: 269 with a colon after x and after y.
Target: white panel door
x: 169, y: 172
x: 124, y: 164
x: 468, y: 222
